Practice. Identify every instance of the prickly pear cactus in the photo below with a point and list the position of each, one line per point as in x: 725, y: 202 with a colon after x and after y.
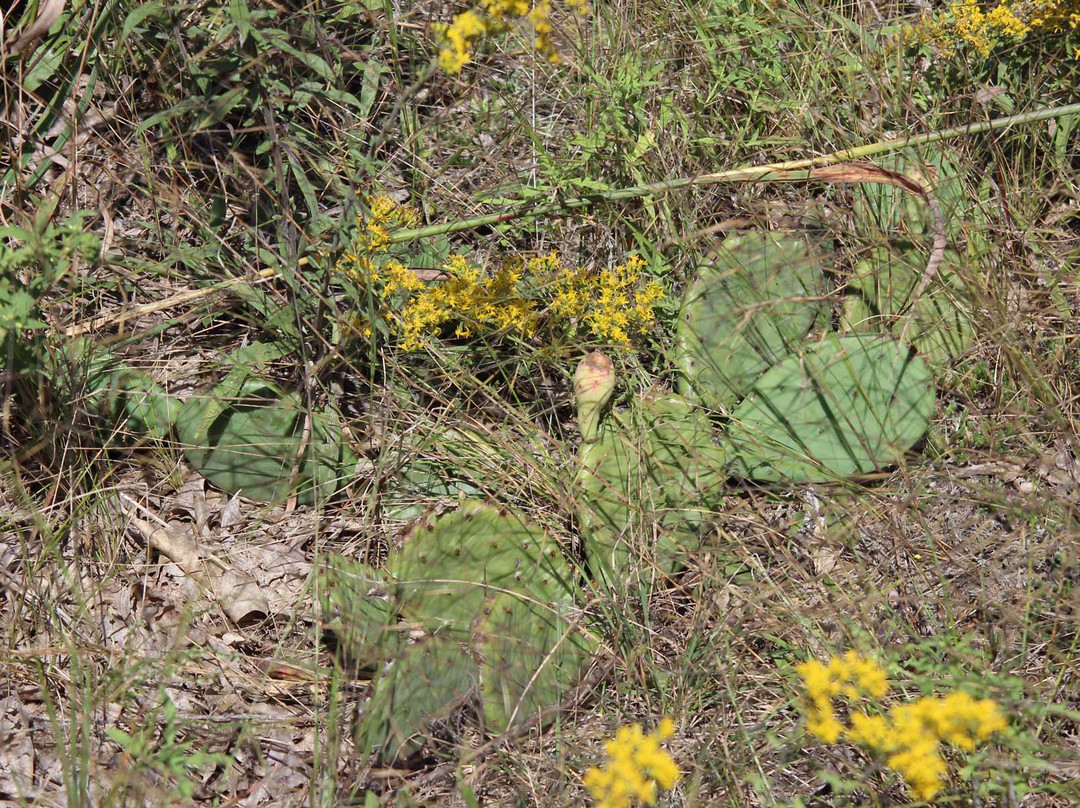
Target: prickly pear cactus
x: 745, y: 311
x: 656, y: 465
x: 426, y: 681
x: 530, y: 654
x: 880, y: 298
x: 447, y: 566
x: 251, y: 443
x: 894, y: 212
x: 480, y: 604
x: 357, y: 608
x: 594, y: 382
x: 841, y: 407
x: 128, y: 398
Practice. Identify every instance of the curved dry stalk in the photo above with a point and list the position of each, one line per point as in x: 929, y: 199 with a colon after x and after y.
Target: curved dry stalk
x: 788, y: 171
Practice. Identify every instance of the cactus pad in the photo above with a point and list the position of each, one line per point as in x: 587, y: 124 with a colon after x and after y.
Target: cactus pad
x: 747, y: 310
x: 428, y: 680
x: 251, y: 444
x: 356, y: 605
x: 448, y: 566
x: 531, y: 654
x: 657, y: 465
x: 843, y: 406
x: 894, y: 212
x: 129, y: 398
x: 938, y: 324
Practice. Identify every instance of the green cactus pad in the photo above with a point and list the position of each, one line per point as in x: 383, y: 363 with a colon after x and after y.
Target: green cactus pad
x: 531, y: 654
x: 886, y: 209
x: 844, y: 406
x: 428, y: 680
x: 134, y: 403
x: 657, y: 465
x: 356, y: 606
x: 745, y: 311
x: 880, y: 296
x: 251, y: 444
x: 448, y: 566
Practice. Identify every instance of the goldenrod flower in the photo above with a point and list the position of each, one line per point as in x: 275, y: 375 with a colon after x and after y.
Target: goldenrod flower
x: 518, y: 297
x: 921, y: 766
x: 496, y: 16
x: 969, y: 21
x: 458, y: 39
x: 637, y: 768
x: 909, y: 738
x: 611, y: 303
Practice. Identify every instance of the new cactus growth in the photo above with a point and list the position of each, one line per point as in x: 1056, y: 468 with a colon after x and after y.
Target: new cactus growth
x: 656, y: 466
x: 844, y: 406
x: 745, y: 311
x: 594, y: 382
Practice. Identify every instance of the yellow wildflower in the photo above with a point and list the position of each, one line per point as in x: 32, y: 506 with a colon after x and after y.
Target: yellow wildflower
x: 909, y: 738
x: 921, y: 766
x: 637, y: 768
x: 871, y: 731
x: 496, y: 16
x: 458, y: 39
x: 399, y: 278
x: 850, y: 675
x: 540, y: 20
x: 610, y: 303
x: 1013, y: 21
x: 501, y: 9
x: 984, y: 30
x: 822, y: 722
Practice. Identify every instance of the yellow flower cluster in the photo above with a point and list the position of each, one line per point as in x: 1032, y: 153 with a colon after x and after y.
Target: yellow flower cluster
x: 909, y: 737
x: 373, y: 236
x: 470, y: 299
x: 458, y: 39
x: 637, y: 768
x: 985, y: 29
x: 608, y: 304
x: 851, y: 676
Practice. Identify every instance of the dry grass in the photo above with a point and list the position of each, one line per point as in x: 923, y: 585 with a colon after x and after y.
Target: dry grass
x: 206, y: 152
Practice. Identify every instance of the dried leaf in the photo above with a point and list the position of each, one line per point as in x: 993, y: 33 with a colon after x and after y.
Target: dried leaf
x: 48, y: 13
x: 240, y: 597
x: 16, y: 751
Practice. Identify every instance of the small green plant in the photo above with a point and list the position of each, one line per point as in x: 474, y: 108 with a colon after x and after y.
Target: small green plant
x: 34, y: 259
x: 909, y: 736
x: 166, y: 753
